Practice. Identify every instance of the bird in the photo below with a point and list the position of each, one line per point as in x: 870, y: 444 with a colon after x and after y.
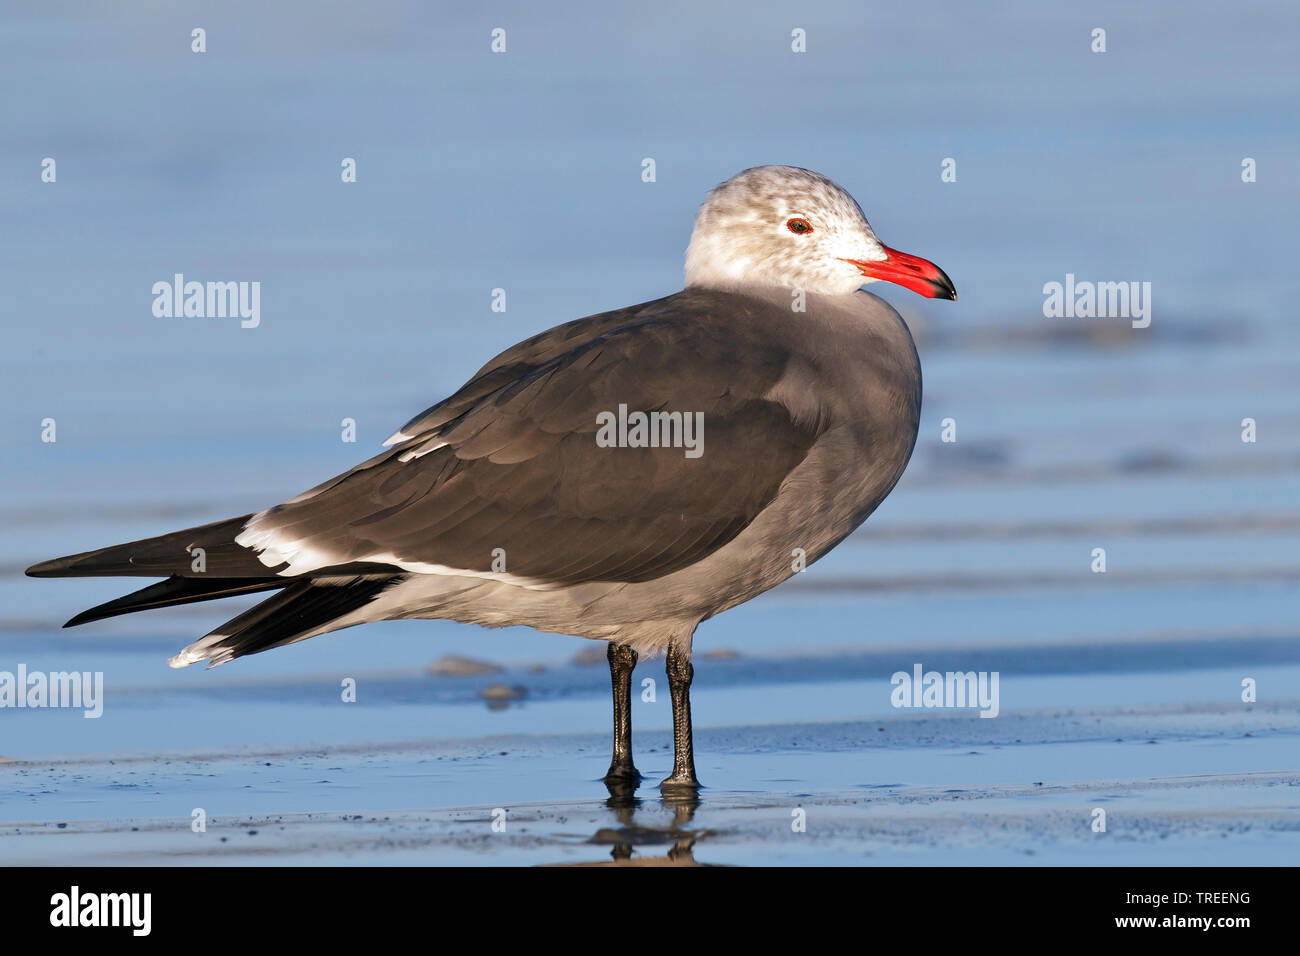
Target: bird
x: 621, y: 477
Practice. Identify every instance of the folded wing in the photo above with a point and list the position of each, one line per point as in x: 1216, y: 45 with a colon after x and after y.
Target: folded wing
x: 509, y: 471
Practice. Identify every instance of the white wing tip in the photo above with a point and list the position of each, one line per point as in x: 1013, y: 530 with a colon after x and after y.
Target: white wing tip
x: 204, y: 649
x: 185, y: 658
x: 395, y: 437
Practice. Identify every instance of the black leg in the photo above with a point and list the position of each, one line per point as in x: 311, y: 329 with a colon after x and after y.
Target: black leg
x: 680, y: 673
x: 621, y: 661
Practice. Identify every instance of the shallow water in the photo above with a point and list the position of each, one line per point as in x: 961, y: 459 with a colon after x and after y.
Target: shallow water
x: 521, y: 172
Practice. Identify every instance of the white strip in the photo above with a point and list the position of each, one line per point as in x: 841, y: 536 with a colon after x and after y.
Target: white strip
x: 420, y: 452
x: 302, y: 558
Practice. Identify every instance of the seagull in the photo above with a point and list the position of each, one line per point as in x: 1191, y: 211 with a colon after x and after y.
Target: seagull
x: 621, y: 477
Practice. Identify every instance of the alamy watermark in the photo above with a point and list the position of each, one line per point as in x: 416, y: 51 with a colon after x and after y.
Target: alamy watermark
x: 73, y: 689
x: 626, y: 429
x: 129, y: 910
x: 208, y: 300
x: 950, y: 689
x: 1101, y: 300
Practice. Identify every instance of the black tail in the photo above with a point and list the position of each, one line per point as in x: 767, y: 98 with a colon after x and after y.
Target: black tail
x: 177, y: 590
x: 307, y: 604
x: 301, y: 610
x: 176, y: 554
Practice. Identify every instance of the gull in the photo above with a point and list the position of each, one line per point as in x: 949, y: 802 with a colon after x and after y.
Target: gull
x: 621, y: 477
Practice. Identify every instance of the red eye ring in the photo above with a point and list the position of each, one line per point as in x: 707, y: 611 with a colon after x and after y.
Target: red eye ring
x: 799, y: 226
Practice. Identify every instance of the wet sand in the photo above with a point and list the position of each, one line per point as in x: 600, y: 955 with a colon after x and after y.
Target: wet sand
x: 1179, y: 785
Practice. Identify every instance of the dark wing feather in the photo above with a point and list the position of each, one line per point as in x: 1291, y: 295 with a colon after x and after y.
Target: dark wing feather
x: 301, y: 607
x: 164, y: 555
x: 177, y: 590
x: 519, y: 468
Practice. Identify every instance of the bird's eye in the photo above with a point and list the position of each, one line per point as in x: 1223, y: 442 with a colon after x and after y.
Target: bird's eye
x: 799, y: 227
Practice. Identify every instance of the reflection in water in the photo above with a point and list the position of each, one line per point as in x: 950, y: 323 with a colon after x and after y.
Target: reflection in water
x: 629, y: 835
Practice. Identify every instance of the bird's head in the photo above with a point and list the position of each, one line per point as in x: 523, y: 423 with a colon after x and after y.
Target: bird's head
x: 792, y: 228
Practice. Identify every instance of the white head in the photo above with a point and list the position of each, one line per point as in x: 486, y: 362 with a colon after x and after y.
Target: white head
x: 795, y: 229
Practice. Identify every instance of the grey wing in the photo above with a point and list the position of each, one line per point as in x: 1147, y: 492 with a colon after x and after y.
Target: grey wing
x: 519, y: 468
